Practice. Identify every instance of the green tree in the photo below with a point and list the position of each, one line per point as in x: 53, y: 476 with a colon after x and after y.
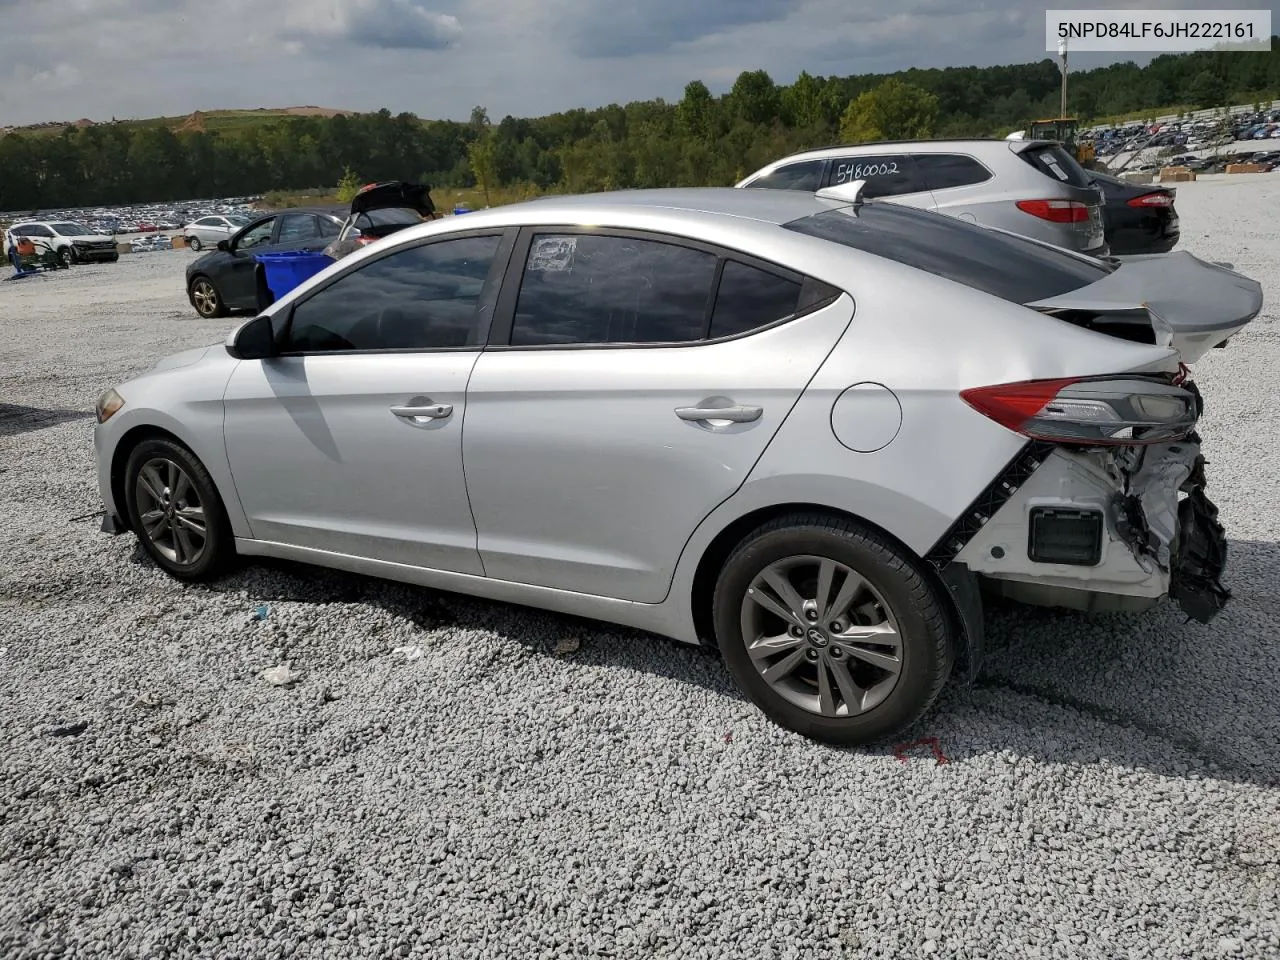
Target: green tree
x: 348, y: 186
x: 1207, y: 90
x: 695, y: 110
x: 482, y: 157
x: 755, y: 97
x: 892, y: 111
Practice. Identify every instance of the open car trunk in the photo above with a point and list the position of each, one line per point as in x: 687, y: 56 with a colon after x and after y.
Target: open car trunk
x: 379, y: 210
x: 1170, y: 300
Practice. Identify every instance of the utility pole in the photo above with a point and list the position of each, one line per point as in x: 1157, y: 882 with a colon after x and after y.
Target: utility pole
x: 1062, y: 54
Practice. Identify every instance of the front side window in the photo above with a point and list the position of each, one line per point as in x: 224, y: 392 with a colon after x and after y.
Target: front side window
x: 419, y: 298
x: 588, y: 288
x: 71, y: 230
x: 257, y: 235
x: 886, y: 175
x: 804, y: 175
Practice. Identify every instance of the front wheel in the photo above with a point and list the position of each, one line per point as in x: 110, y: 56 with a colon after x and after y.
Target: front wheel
x: 833, y: 631
x: 175, y: 510
x: 206, y: 299
x: 195, y: 244
x: 67, y: 255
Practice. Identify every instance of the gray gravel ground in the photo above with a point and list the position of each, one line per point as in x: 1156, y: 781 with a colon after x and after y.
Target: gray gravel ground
x: 1111, y: 791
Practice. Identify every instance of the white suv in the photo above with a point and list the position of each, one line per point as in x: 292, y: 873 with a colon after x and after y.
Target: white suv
x: 1030, y: 187
x: 73, y: 242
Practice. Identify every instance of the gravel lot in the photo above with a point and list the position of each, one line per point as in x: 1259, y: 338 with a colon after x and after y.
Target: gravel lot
x: 1113, y: 787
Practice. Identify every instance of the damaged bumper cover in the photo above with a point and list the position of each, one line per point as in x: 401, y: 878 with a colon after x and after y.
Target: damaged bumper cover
x: 1101, y: 530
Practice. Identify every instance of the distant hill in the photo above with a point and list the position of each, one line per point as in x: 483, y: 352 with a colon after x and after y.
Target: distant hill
x: 201, y: 120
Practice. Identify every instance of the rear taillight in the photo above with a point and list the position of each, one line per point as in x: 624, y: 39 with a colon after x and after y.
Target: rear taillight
x: 1056, y: 211
x: 1152, y: 200
x: 1106, y: 411
x: 364, y: 239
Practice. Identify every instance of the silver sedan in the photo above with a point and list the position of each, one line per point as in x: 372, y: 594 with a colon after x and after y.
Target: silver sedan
x: 805, y: 428
x: 207, y: 231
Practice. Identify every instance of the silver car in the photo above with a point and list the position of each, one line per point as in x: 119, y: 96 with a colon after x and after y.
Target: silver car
x: 207, y: 231
x: 1031, y: 187
x: 805, y: 429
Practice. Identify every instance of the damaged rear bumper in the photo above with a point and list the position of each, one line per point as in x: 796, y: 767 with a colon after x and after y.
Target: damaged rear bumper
x: 1102, y: 530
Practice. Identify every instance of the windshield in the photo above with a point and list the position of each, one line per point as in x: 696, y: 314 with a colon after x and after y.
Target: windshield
x: 71, y: 229
x: 1001, y: 264
x: 237, y: 219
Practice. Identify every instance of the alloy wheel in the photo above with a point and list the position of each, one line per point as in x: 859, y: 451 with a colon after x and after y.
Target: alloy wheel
x: 170, y: 511
x: 821, y: 636
x: 205, y: 297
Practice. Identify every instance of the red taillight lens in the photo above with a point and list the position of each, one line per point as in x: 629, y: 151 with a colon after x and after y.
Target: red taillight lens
x: 364, y: 239
x: 1056, y: 211
x: 1152, y: 200
x: 1089, y: 412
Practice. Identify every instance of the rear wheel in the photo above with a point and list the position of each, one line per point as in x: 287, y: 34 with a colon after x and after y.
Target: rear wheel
x: 832, y: 630
x: 175, y: 510
x: 206, y: 299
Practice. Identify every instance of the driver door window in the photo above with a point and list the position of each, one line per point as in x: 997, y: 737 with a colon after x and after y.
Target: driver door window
x: 258, y: 236
x: 419, y: 298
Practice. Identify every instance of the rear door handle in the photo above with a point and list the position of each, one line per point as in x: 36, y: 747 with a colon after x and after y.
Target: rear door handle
x: 732, y: 414
x: 436, y: 411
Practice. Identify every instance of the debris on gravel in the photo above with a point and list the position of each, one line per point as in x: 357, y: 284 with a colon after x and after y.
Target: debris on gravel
x: 451, y: 778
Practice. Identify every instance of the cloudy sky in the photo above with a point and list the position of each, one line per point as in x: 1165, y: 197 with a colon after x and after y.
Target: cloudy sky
x: 66, y: 59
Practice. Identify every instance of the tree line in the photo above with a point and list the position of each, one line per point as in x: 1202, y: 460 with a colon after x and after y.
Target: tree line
x: 700, y: 140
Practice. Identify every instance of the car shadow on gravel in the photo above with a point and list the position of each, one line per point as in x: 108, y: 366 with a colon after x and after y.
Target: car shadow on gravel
x: 1153, y: 690
x: 1149, y: 691
x: 15, y: 419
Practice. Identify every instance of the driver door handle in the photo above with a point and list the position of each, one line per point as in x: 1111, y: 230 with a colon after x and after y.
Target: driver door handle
x: 436, y: 411
x: 732, y: 414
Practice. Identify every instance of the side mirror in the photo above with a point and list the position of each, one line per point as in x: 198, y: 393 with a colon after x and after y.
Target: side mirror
x: 255, y: 341
x: 224, y: 246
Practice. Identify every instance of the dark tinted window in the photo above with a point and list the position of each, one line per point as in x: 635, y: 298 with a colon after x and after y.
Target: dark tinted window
x: 749, y: 298
x: 596, y: 289
x: 804, y: 175
x: 297, y: 226
x: 1000, y: 264
x: 943, y: 170
x: 1053, y: 161
x: 420, y: 298
x: 886, y: 175
x: 328, y: 228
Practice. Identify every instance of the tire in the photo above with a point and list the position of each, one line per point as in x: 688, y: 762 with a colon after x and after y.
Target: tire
x: 67, y: 255
x: 195, y: 244
x: 168, y: 496
x: 872, y: 688
x: 205, y: 297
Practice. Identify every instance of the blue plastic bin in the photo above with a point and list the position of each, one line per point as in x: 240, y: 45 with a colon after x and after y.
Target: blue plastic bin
x: 461, y: 209
x: 289, y: 269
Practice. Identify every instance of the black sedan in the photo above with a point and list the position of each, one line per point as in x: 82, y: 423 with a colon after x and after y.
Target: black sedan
x: 1137, y: 217
x: 230, y: 278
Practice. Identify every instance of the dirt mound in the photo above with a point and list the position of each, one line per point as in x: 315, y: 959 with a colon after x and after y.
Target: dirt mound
x: 193, y: 123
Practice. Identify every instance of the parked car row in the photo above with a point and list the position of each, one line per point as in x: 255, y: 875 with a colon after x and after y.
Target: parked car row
x: 148, y: 218
x: 779, y: 420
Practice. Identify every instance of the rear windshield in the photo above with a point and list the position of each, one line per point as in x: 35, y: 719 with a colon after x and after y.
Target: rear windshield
x: 390, y: 217
x: 1001, y: 264
x: 1054, y: 161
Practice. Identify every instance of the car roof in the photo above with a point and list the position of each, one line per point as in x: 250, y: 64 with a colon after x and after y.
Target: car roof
x: 765, y: 206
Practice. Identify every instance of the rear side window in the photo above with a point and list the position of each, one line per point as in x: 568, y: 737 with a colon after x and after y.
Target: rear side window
x: 804, y: 175
x: 1004, y: 265
x: 941, y: 171
x: 584, y: 288
x: 887, y: 175
x: 1053, y: 161
x: 749, y: 298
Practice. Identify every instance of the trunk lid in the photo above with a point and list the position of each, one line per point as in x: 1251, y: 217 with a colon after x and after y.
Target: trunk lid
x: 1174, y: 299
